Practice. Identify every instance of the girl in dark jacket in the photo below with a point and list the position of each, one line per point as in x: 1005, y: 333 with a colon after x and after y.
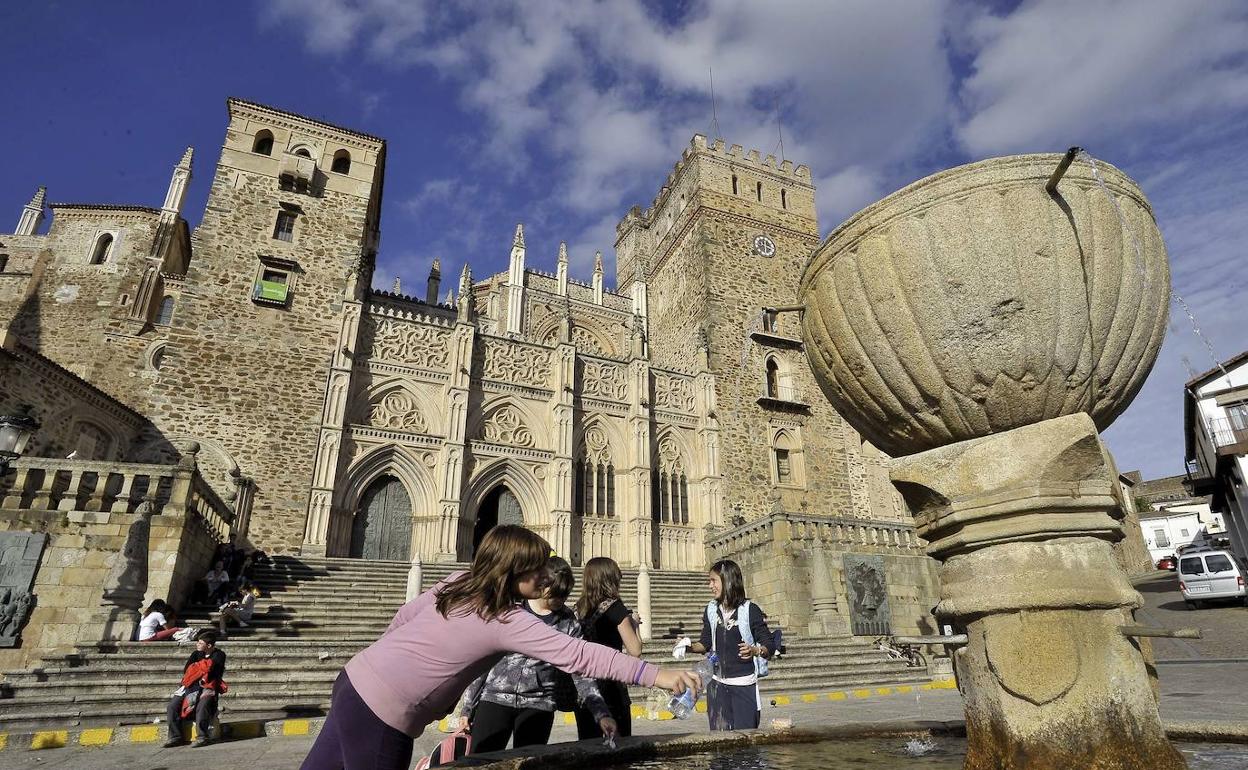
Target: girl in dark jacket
x: 605, y: 619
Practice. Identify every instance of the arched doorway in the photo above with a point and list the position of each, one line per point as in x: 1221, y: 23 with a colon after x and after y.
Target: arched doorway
x: 500, y: 506
x: 383, y: 524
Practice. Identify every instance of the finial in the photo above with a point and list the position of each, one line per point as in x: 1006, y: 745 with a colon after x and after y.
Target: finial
x: 436, y: 267
x: 519, y: 239
x: 597, y: 261
x: 186, y: 157
x: 40, y: 196
x: 465, y: 279
x: 450, y: 298
x: 563, y: 252
x: 397, y: 288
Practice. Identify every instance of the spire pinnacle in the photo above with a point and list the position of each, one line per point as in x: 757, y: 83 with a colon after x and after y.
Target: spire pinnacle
x: 519, y: 239
x: 41, y: 195
x: 563, y: 252
x: 436, y: 267
x: 32, y: 214
x: 397, y: 288
x: 450, y: 298
x: 597, y: 261
x: 186, y: 158
x: 465, y: 279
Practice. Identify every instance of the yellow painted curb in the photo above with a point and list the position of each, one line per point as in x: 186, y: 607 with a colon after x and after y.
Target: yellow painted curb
x: 701, y: 707
x: 4, y: 741
x: 809, y: 698
x: 883, y: 691
x: 782, y: 700
x: 837, y: 696
x: 295, y: 727
x: 905, y: 688
x: 144, y: 734
x: 862, y: 693
x: 98, y: 736
x: 49, y: 739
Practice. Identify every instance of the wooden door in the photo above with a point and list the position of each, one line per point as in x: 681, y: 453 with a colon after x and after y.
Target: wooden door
x: 383, y: 526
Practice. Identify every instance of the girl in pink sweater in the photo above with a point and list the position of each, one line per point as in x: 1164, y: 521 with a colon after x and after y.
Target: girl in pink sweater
x: 442, y: 640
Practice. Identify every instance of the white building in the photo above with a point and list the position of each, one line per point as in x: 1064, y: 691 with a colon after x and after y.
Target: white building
x: 1215, y: 421
x: 1167, y: 527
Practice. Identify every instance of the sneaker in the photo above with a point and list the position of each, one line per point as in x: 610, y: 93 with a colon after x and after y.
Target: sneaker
x: 169, y: 744
x: 201, y: 742
x: 241, y: 624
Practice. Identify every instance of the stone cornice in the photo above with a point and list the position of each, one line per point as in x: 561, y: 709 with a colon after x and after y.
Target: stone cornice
x: 293, y: 120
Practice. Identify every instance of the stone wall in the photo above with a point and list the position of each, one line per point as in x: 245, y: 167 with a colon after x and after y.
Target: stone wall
x: 794, y: 568
x: 73, y: 414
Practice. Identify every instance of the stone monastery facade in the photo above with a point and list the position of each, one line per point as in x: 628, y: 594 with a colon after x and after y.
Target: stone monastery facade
x: 634, y: 422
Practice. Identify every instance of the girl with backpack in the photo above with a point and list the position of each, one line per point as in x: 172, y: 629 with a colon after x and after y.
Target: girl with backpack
x: 605, y: 619
x: 442, y: 640
x: 519, y: 696
x: 735, y: 629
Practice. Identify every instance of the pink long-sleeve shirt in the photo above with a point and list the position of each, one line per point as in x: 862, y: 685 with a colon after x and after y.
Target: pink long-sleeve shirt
x: 416, y: 671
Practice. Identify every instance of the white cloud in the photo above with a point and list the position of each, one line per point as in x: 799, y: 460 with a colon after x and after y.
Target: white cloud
x: 1065, y: 72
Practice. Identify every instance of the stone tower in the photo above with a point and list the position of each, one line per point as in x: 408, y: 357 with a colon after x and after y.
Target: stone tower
x: 726, y: 237
x: 286, y: 246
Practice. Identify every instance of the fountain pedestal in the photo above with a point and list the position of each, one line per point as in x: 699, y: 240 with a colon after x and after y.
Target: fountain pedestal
x: 1022, y: 523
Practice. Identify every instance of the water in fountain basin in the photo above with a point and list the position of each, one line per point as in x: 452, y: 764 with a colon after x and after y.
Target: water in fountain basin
x: 890, y: 754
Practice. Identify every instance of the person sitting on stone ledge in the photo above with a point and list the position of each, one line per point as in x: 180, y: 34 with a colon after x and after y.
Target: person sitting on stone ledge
x: 198, y: 693
x: 158, y: 623
x: 218, y: 582
x: 239, y: 609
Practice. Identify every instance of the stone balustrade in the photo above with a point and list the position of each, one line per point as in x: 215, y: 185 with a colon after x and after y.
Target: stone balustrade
x: 828, y: 531
x: 77, y: 486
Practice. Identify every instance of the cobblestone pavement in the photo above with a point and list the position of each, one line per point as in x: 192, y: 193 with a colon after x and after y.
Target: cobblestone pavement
x: 1225, y: 624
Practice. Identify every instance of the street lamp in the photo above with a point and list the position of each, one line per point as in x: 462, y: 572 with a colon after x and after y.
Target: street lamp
x: 15, y: 433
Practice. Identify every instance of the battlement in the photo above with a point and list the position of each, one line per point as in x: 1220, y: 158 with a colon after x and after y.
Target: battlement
x: 751, y: 161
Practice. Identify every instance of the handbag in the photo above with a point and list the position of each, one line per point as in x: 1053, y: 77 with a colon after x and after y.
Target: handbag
x: 454, y: 746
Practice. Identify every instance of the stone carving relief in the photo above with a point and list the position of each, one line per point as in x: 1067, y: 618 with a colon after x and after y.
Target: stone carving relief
x: 868, y: 595
x: 586, y: 341
x: 520, y: 364
x: 669, y: 455
x: 397, y: 410
x: 20, y: 553
x: 408, y: 343
x: 505, y: 426
x: 673, y: 393
x: 603, y: 380
x: 597, y: 448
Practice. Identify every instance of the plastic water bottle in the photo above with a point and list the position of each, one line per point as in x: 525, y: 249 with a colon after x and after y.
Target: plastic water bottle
x: 684, y: 704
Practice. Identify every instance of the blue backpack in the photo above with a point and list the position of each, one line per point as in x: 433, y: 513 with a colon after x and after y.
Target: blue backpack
x: 747, y: 634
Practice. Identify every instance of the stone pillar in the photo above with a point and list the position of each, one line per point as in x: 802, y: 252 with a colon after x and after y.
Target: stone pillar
x: 122, y: 599
x: 415, y: 576
x: 1022, y: 523
x: 826, y: 618
x: 643, y: 604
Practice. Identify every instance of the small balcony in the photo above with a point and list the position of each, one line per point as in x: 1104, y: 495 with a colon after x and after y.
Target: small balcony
x: 784, y: 396
x: 1230, y: 437
x: 297, y: 170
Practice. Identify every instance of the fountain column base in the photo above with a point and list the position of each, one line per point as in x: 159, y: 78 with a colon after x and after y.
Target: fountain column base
x: 1022, y: 523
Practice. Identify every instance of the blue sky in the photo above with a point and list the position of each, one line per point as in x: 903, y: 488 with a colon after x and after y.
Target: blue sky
x: 562, y: 114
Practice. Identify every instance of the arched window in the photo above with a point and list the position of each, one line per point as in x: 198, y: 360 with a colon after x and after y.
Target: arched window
x: 594, y: 478
x: 104, y: 245
x: 759, y: 191
x: 786, y: 467
x: 734, y: 184
x: 773, y: 378
x: 784, y: 199
x: 342, y: 162
x: 669, y: 487
x: 165, y: 316
x: 158, y: 357
x: 303, y: 152
x: 263, y: 145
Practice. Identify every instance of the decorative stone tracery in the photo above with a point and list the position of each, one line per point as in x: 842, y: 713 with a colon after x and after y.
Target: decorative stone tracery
x: 673, y: 393
x: 521, y: 364
x: 409, y: 343
x: 603, y: 380
x: 397, y: 410
x: 505, y: 426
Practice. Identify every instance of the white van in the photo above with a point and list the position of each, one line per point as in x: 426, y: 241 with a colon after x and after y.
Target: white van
x: 1209, y: 574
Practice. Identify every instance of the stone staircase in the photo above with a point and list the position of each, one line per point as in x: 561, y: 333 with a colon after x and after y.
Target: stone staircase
x: 316, y: 613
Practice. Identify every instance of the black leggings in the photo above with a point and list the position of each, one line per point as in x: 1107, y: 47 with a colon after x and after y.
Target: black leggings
x: 618, y: 703
x: 493, y: 725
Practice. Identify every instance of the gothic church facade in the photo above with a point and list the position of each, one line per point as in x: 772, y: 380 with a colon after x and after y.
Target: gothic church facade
x: 635, y: 422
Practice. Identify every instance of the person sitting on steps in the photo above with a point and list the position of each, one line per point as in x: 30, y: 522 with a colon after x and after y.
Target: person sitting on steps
x: 240, y: 609
x: 158, y: 623
x: 201, y: 687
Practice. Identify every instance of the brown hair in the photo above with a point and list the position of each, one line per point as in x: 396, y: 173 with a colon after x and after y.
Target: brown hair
x: 733, y: 584
x: 488, y: 588
x: 602, y: 582
x: 562, y: 580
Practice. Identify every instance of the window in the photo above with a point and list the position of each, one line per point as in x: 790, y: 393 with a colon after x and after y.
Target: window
x: 103, y: 247
x: 773, y: 378
x: 303, y: 152
x: 263, y: 145
x: 284, y: 230
x: 758, y: 190
x: 4, y: 261
x: 1191, y: 566
x: 274, y: 282
x: 158, y: 358
x: 1238, y: 415
x: 669, y: 488
x: 1183, y: 533
x: 734, y: 184
x: 1159, y: 537
x: 1217, y: 563
x: 784, y: 471
x: 784, y: 199
x: 594, y: 477
x: 342, y: 162
x: 165, y: 315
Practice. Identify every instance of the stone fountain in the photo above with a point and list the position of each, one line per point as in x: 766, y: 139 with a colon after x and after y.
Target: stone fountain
x: 981, y: 326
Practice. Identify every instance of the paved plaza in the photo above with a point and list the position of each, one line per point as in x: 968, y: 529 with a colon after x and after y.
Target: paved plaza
x: 1205, y: 679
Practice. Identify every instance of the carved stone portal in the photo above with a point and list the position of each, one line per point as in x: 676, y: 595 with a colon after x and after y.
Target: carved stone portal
x: 868, y: 595
x: 19, y: 561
